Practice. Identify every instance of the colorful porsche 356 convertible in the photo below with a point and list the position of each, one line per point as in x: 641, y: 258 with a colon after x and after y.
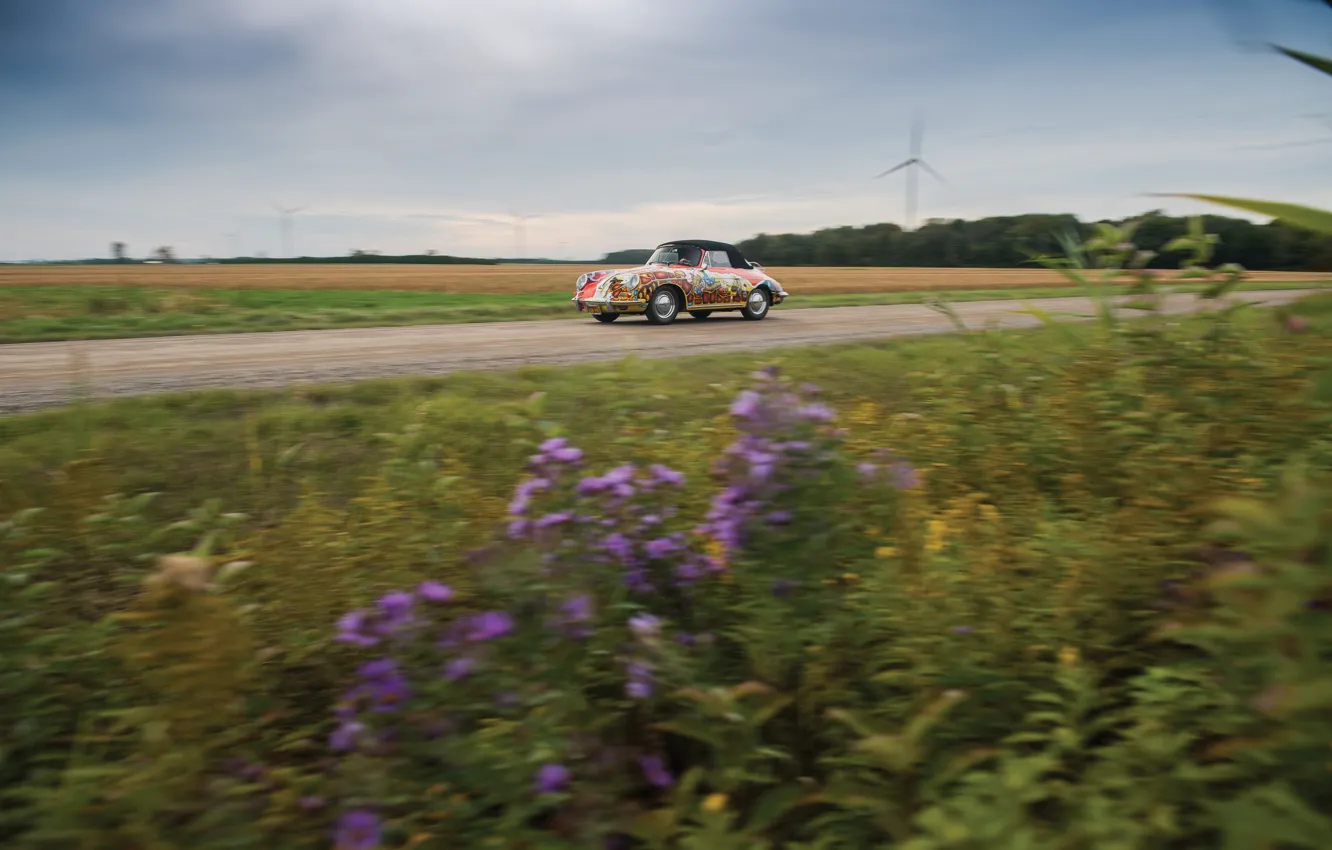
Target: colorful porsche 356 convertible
x: 695, y: 276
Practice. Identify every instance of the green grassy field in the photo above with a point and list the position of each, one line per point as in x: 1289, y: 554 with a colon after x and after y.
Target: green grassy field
x: 849, y: 673
x: 48, y: 313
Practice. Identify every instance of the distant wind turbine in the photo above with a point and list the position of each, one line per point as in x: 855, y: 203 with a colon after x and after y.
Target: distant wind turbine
x: 285, y: 215
x: 913, y: 162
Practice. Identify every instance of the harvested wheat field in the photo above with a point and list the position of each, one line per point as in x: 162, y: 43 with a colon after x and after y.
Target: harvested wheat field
x: 535, y: 278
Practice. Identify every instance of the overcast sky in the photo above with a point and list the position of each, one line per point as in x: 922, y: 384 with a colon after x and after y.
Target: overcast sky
x: 407, y: 125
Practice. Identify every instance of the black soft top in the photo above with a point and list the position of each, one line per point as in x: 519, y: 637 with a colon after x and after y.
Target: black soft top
x: 738, y: 260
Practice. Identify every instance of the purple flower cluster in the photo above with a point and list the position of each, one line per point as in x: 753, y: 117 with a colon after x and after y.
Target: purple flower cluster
x: 358, y: 829
x: 614, y: 519
x: 781, y: 434
x: 381, y: 686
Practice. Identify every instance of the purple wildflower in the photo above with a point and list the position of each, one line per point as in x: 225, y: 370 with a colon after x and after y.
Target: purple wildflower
x: 488, y: 626
x: 591, y: 485
x: 962, y: 630
x: 459, y: 668
x: 779, y: 517
x: 662, y: 547
x: 518, y: 528
x: 817, y: 413
x: 357, y: 830
x: 351, y: 629
x: 578, y: 609
x: 312, y: 802
x: 433, y: 591
x: 654, y: 770
x: 905, y: 476
x: 619, y: 546
x: 551, y: 779
x: 645, y: 626
x: 639, y: 686
x: 397, y: 609
x: 558, y: 449
x: 867, y: 470
x: 554, y: 519
x: 636, y: 579
x: 346, y: 736
x: 382, y: 682
x: 666, y: 475
x: 746, y: 404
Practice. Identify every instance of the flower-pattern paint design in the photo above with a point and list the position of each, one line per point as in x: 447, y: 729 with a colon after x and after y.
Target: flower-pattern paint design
x: 702, y: 288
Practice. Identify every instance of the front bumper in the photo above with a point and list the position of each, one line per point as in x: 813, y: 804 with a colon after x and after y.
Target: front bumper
x: 596, y: 305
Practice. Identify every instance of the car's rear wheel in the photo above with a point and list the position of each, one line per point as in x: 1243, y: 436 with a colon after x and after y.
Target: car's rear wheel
x: 757, y: 306
x: 605, y: 318
x: 701, y: 314
x: 663, y: 307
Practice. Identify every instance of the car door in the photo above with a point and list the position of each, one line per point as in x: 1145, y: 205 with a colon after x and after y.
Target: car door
x: 723, y: 284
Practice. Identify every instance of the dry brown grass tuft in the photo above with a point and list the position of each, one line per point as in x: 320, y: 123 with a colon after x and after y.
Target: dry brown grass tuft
x: 535, y: 278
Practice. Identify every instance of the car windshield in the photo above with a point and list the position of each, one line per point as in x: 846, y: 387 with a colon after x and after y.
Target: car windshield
x: 670, y: 255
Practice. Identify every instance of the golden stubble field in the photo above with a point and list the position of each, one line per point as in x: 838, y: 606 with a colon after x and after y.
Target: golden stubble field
x: 535, y: 278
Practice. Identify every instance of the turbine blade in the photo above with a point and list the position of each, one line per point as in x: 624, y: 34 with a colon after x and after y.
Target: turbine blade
x: 897, y: 167
x: 936, y: 175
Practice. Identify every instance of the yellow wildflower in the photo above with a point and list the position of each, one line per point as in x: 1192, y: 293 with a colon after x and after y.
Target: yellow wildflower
x: 850, y: 578
x: 935, y: 534
x: 715, y: 802
x: 1069, y: 655
x: 716, y: 549
x: 885, y: 552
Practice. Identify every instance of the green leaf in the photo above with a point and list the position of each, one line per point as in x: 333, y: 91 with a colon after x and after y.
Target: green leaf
x: 770, y: 807
x: 1318, y: 63
x: 1310, y: 218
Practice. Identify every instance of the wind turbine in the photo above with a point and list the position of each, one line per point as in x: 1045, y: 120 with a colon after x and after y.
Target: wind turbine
x: 913, y: 162
x: 285, y: 220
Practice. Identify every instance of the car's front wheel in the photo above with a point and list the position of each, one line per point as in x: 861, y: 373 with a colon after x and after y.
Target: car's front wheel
x: 757, y: 306
x: 605, y: 318
x: 663, y: 307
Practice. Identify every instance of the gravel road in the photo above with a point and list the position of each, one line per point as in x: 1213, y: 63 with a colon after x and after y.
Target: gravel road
x: 45, y: 374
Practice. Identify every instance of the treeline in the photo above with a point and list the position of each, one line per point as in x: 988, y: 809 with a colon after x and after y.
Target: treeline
x: 366, y: 257
x: 1003, y: 242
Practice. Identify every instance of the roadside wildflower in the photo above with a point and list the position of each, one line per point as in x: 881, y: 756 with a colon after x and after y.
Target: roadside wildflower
x: 905, y: 476
x: 346, y: 736
x: 1069, y: 655
x: 714, y: 802
x: 639, y: 686
x: 935, y: 534
x: 644, y: 626
x: 654, y: 770
x: 351, y: 629
x: 885, y: 552
x: 433, y: 591
x: 383, y: 684
x: 962, y: 630
x: 459, y: 668
x: 357, y: 830
x: 551, y: 779
x: 488, y: 626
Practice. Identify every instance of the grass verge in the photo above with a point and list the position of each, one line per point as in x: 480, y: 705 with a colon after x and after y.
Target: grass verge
x: 1011, y: 536
x: 52, y: 313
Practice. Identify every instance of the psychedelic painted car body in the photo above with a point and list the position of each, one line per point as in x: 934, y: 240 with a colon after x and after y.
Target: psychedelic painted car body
x: 703, y: 276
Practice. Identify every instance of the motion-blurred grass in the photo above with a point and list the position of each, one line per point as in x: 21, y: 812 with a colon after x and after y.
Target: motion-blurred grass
x: 50, y: 313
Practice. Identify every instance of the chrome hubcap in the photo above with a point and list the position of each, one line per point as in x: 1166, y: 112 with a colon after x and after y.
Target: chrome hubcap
x: 757, y: 303
x: 664, y: 304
